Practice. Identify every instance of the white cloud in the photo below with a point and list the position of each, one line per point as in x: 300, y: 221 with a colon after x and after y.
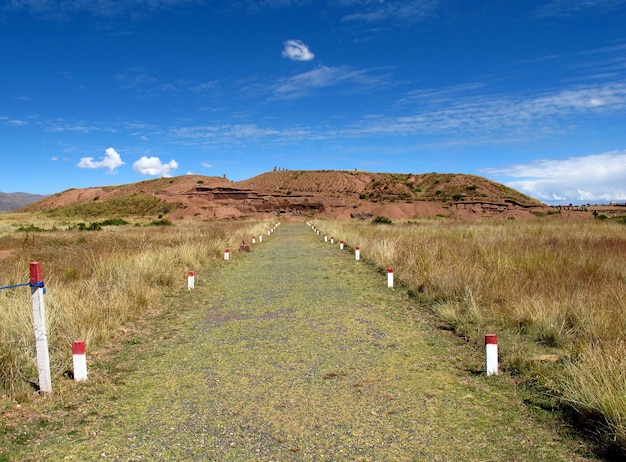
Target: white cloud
x: 297, y: 51
x: 586, y: 179
x: 153, y: 166
x: 207, y: 165
x: 111, y: 161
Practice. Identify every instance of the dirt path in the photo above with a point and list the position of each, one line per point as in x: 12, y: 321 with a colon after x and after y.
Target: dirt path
x: 298, y: 352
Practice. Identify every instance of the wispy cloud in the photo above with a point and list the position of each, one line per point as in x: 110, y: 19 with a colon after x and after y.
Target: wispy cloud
x: 55, y: 9
x: 323, y: 77
x: 111, y: 161
x: 154, y: 167
x: 12, y: 122
x: 585, y: 179
x: 441, y: 112
x: 576, y: 7
x: 297, y: 51
x: 394, y: 11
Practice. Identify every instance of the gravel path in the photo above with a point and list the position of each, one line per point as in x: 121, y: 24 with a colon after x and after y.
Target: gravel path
x: 296, y: 351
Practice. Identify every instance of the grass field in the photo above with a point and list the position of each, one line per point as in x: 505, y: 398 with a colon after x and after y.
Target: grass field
x: 96, y: 281
x: 553, y: 290
x: 291, y: 352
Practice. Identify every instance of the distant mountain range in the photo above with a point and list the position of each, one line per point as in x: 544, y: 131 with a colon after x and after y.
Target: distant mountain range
x: 13, y: 201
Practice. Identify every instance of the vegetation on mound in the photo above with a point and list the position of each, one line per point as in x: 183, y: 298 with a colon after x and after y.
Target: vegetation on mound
x: 142, y: 199
x: 132, y: 205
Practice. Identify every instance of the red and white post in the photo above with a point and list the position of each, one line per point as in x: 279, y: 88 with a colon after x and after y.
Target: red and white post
x: 41, y: 333
x: 332, y: 240
x: 340, y: 245
x: 253, y: 240
x: 226, y: 255
x: 390, y: 278
x: 190, y: 280
x: 357, y: 253
x: 491, y: 350
x: 80, y: 361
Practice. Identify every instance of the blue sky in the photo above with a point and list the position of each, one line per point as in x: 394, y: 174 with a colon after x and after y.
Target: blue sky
x: 528, y: 93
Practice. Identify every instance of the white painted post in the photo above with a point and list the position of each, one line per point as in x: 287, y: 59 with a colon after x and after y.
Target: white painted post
x: 340, y: 245
x: 269, y: 232
x: 325, y: 238
x: 390, y: 278
x: 226, y: 255
x: 190, y: 280
x: 491, y: 350
x: 332, y: 240
x: 80, y: 361
x: 41, y: 334
x: 253, y: 240
x: 357, y: 253
x: 260, y: 238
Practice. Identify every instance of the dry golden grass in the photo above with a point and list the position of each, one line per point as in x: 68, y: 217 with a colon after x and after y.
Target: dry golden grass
x: 96, y: 281
x: 554, y: 290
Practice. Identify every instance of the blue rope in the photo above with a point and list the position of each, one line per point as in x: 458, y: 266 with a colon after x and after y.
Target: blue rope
x: 39, y: 285
x: 14, y: 286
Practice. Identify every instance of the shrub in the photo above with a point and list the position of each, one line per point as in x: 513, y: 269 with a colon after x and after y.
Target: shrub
x: 162, y: 222
x: 382, y: 220
x: 30, y: 229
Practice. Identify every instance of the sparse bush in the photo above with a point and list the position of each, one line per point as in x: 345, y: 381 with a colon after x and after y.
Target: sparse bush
x: 382, y: 220
x: 162, y: 222
x: 30, y: 229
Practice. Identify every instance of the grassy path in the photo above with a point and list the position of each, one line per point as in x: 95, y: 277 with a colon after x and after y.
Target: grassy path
x: 297, y: 352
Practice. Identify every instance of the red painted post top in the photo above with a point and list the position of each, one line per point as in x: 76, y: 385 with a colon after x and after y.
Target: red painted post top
x: 78, y: 347
x: 35, y: 272
x: 390, y: 270
x: 357, y: 248
x: 226, y: 251
x: 491, y: 339
x: 190, y: 273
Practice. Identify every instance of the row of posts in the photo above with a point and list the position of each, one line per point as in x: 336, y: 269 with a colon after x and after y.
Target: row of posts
x: 78, y: 347
x: 491, y: 340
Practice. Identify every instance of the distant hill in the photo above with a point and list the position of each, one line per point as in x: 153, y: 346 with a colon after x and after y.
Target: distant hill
x: 331, y: 193
x: 13, y: 201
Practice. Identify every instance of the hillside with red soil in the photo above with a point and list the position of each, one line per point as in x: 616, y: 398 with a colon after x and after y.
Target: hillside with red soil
x: 332, y: 194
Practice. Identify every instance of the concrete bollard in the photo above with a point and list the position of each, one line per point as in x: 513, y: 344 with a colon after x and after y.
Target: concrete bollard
x: 190, y: 280
x: 226, y: 255
x: 340, y: 245
x: 79, y: 360
x: 357, y: 253
x: 37, y: 291
x: 390, y: 278
x: 491, y: 353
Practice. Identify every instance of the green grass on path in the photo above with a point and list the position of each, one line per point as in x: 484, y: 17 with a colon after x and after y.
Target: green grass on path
x: 298, y: 352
